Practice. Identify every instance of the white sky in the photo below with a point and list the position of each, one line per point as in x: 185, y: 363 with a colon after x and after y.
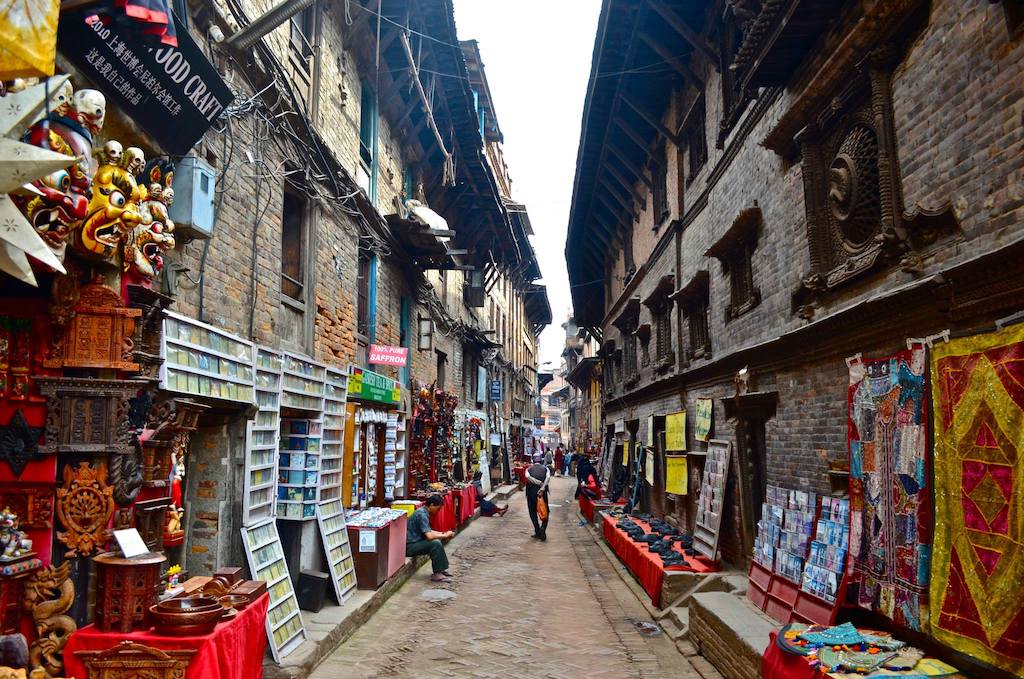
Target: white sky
x: 537, y: 57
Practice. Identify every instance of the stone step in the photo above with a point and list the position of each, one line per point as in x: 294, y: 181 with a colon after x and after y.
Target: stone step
x: 681, y: 616
x: 737, y: 583
x: 730, y: 632
x: 672, y: 631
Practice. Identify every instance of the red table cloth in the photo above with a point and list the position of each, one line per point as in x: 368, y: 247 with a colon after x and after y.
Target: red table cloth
x: 587, y: 508
x: 444, y: 520
x: 521, y: 475
x: 468, y: 505
x: 646, y: 566
x: 234, y: 650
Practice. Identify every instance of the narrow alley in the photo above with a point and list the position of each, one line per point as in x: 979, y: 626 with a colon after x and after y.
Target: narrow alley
x: 516, y: 607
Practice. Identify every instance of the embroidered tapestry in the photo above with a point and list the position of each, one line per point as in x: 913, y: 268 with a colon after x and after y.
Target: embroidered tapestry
x: 890, y: 493
x: 978, y: 560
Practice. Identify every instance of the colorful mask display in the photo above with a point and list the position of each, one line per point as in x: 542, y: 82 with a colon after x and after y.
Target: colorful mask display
x: 60, y: 201
x: 114, y: 209
x: 154, y: 235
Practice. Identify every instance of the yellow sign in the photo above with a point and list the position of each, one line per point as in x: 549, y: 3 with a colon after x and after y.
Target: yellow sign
x: 625, y: 454
x: 702, y: 424
x: 675, y: 431
x: 675, y: 474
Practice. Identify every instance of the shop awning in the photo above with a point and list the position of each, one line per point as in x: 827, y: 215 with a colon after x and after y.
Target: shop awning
x: 583, y: 373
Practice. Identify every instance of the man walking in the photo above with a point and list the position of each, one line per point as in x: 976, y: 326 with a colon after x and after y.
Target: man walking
x: 537, y: 477
x: 420, y: 539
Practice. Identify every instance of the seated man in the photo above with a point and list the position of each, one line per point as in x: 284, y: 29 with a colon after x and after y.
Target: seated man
x: 487, y: 508
x: 421, y: 539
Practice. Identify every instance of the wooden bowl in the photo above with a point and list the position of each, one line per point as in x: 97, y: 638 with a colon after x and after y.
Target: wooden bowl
x: 185, y: 622
x: 235, y: 601
x: 189, y: 604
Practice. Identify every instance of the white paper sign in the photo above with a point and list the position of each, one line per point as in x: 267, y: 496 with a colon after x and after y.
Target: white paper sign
x: 130, y: 542
x: 367, y: 541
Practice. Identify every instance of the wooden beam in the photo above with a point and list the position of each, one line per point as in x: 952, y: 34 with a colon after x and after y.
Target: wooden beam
x: 615, y: 209
x: 423, y: 95
x: 635, y: 137
x: 626, y: 183
x: 688, y: 116
x: 624, y: 159
x: 665, y: 132
x: 682, y: 28
x: 675, y: 62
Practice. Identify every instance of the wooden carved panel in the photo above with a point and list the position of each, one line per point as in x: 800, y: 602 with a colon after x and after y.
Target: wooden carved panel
x: 85, y: 504
x: 49, y: 594
x: 99, y: 335
x: 129, y: 660
x: 89, y: 415
x: 150, y: 519
x: 32, y: 502
x: 149, y: 329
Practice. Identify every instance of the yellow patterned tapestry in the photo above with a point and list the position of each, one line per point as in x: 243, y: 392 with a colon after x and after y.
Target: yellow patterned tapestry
x: 977, y: 586
x: 28, y: 38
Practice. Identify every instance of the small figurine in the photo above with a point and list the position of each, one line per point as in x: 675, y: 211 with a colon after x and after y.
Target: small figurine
x: 173, y: 576
x: 12, y: 540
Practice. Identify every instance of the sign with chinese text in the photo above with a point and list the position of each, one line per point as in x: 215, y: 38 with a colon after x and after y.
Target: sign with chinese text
x: 370, y: 386
x: 702, y: 423
x: 174, y: 93
x: 675, y: 431
x: 675, y: 474
x: 495, y: 390
x: 396, y: 357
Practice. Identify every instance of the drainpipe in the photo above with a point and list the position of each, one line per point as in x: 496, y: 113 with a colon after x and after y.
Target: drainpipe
x: 259, y: 27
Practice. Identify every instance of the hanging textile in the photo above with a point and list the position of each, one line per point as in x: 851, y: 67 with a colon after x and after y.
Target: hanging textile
x: 890, y: 508
x: 978, y: 560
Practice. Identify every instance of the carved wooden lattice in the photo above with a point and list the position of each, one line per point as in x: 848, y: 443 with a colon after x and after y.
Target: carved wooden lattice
x: 85, y: 504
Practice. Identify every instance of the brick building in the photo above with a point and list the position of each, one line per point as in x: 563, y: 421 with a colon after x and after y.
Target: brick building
x: 764, y: 189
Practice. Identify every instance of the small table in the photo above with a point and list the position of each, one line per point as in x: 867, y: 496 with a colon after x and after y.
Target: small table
x: 234, y: 650
x: 374, y: 567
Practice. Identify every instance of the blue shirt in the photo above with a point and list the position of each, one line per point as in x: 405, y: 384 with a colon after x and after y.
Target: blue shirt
x: 419, y: 524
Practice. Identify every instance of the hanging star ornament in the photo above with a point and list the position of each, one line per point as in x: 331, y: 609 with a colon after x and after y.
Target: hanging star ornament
x: 21, y: 164
x: 19, y: 443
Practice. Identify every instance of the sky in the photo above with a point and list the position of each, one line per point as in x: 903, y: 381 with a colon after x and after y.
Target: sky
x: 537, y: 57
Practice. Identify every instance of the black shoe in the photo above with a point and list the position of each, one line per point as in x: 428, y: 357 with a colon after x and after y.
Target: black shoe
x: 536, y: 537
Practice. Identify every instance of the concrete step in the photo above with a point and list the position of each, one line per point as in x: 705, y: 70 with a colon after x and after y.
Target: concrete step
x: 737, y: 583
x: 730, y: 632
x: 672, y: 631
x: 681, y: 616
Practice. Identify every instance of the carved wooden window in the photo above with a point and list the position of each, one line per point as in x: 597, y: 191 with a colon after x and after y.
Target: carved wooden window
x: 659, y: 181
x: 293, y: 245
x: 693, y: 299
x: 663, y: 335
x: 629, y: 364
x: 363, y: 292
x: 730, y: 39
x: 741, y: 279
x: 643, y: 334
x: 852, y: 192
x: 301, y: 36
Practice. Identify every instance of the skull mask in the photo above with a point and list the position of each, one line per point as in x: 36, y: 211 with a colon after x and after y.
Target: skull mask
x: 91, y: 106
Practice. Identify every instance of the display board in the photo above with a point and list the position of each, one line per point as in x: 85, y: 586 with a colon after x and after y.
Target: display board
x: 298, y: 469
x: 303, y: 384
x: 201, y: 360
x: 285, y: 629
x: 712, y: 498
x: 260, y: 483
x: 332, y: 451
x: 401, y: 455
x: 331, y: 518
x: 390, y: 455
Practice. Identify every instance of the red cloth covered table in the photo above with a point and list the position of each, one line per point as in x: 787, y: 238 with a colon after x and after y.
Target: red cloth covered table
x: 587, y: 508
x: 445, y: 519
x: 520, y: 475
x: 234, y: 650
x: 646, y: 566
x: 781, y: 665
x: 468, y: 505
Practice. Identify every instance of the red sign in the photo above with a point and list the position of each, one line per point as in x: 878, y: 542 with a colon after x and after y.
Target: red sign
x: 381, y: 354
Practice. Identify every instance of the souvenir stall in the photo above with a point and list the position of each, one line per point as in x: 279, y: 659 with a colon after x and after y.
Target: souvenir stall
x: 378, y: 452
x: 923, y: 545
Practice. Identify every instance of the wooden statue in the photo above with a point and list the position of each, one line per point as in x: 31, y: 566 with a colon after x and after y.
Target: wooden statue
x: 85, y: 504
x: 49, y: 594
x: 129, y: 660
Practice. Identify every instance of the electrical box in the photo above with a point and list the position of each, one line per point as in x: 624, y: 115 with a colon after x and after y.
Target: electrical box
x: 194, y: 189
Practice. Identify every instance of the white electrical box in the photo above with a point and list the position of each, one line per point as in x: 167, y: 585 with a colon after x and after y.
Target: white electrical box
x: 194, y: 189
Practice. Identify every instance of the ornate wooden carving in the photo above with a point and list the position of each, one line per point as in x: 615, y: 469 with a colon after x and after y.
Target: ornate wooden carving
x: 149, y: 329
x: 32, y: 502
x: 99, y: 335
x: 49, y: 594
x: 129, y: 660
x: 19, y: 443
x: 125, y: 589
x: 87, y: 415
x: 853, y: 193
x: 126, y: 475
x: 85, y: 504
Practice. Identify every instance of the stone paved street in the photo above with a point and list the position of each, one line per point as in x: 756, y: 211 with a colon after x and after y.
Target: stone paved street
x: 520, y: 608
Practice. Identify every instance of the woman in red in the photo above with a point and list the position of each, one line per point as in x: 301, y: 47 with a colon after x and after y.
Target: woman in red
x: 586, y: 474
x: 559, y: 460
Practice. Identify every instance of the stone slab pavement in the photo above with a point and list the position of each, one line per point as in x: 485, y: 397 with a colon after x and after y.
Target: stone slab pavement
x: 517, y: 607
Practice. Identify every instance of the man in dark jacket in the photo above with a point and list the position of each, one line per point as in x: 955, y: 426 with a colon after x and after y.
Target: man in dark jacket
x: 537, y: 477
x: 421, y: 539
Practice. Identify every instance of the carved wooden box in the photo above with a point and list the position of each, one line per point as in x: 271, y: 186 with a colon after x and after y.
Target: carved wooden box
x: 129, y: 660
x: 99, y: 335
x: 125, y: 589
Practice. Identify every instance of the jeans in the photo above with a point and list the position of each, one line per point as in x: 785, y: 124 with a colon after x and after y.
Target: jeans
x: 435, y: 548
x: 539, y: 528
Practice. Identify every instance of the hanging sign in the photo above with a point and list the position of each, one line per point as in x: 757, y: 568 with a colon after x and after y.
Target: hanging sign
x: 495, y: 390
x: 702, y: 423
x: 371, y: 386
x: 381, y: 354
x: 481, y: 383
x: 675, y: 474
x: 675, y: 431
x: 620, y: 426
x: 538, y: 421
x: 174, y: 93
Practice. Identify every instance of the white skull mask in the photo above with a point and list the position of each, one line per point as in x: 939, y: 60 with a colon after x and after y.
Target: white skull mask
x: 62, y: 101
x: 133, y: 160
x: 112, y: 152
x: 91, y: 107
x: 168, y: 196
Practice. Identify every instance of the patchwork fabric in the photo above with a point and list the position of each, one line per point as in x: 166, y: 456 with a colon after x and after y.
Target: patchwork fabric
x: 978, y: 561
x: 890, y: 495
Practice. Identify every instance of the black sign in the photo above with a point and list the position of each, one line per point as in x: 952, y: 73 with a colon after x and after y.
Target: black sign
x: 174, y: 93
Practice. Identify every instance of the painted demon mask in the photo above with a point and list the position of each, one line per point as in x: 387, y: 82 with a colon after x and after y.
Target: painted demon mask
x: 61, y: 199
x: 113, y: 213
x: 154, y: 235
